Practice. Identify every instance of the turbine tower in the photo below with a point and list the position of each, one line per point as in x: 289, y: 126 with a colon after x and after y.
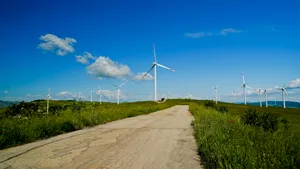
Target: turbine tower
x: 284, y: 93
x: 154, y: 64
x: 118, y: 91
x: 216, y: 88
x: 266, y: 97
x: 100, y: 94
x: 48, y: 97
x: 91, y: 96
x: 244, y: 86
x: 259, y: 94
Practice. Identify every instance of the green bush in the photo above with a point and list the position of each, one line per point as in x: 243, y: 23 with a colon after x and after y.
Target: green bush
x: 269, y: 122
x: 222, y: 109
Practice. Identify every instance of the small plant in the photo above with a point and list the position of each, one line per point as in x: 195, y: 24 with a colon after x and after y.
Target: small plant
x: 222, y: 109
x: 269, y: 122
x: 210, y: 104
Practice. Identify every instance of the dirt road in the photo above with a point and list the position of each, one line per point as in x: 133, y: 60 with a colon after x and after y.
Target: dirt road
x: 160, y: 140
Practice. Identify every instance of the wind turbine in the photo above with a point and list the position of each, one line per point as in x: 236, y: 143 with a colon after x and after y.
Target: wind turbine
x: 284, y: 93
x: 100, y: 94
x: 118, y: 91
x: 154, y: 64
x: 216, y: 88
x: 48, y: 97
x: 259, y: 93
x: 244, y: 86
x: 266, y: 97
x: 91, y: 96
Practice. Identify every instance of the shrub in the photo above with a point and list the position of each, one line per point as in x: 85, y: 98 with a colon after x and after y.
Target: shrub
x: 210, y: 104
x: 222, y: 109
x: 269, y: 122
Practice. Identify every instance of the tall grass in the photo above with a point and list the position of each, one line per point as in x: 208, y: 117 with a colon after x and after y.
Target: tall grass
x: 225, y: 142
x: 19, y: 130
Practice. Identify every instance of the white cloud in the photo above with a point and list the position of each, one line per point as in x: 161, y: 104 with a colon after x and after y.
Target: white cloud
x: 198, y: 34
x: 85, y: 58
x: 229, y: 30
x: 139, y: 76
x: 54, y: 43
x: 294, y: 84
x: 223, y: 32
x: 5, y: 91
x: 105, y: 67
x: 65, y: 93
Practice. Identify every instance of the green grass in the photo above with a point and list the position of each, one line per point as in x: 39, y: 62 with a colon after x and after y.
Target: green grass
x: 292, y: 114
x: 225, y: 142
x: 20, y: 130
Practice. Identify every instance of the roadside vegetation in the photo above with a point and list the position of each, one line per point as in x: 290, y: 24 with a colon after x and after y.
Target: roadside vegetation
x: 249, y: 138
x: 28, y: 121
x: 228, y: 135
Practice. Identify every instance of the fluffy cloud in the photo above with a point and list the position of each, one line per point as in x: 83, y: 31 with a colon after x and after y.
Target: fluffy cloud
x: 54, y: 43
x: 105, y: 67
x: 198, y: 34
x: 223, y: 32
x: 84, y: 59
x: 5, y: 91
x: 139, y: 76
x: 229, y: 30
x: 294, y: 84
x: 65, y: 93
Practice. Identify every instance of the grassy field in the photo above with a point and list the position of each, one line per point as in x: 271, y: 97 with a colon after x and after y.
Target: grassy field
x: 292, y: 114
x: 224, y: 141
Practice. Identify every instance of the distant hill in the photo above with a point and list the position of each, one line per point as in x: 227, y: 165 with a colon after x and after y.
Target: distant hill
x: 289, y: 104
x: 7, y: 103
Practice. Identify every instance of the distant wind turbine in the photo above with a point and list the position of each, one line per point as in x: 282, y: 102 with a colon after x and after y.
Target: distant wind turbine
x: 91, y: 96
x: 118, y: 91
x: 244, y: 86
x: 100, y: 94
x: 284, y: 93
x: 154, y: 64
x: 266, y: 97
x: 259, y: 93
x: 48, y: 97
x: 216, y: 89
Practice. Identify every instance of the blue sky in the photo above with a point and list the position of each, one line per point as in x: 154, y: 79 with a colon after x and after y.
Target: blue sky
x: 207, y: 43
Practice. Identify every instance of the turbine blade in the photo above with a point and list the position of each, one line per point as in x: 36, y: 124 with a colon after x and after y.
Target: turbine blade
x: 249, y: 87
x: 115, y: 85
x: 286, y: 86
x: 154, y: 53
x: 165, y: 67
x: 243, y: 78
x: 148, y: 71
x: 285, y: 92
x: 122, y: 84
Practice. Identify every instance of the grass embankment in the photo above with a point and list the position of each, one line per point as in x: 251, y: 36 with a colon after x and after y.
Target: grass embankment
x: 29, y: 123
x: 224, y: 141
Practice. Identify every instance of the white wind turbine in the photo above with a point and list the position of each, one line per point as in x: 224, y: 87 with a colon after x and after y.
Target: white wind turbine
x: 244, y: 86
x: 259, y: 93
x: 154, y: 64
x: 48, y: 97
x: 216, y: 89
x: 91, y: 96
x: 118, y: 91
x: 100, y: 94
x: 284, y: 93
x: 266, y: 97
